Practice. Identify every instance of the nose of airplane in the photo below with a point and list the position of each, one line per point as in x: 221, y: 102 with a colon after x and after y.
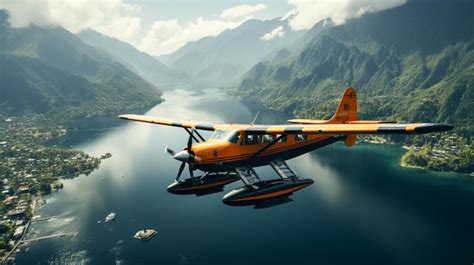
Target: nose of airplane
x: 183, y: 156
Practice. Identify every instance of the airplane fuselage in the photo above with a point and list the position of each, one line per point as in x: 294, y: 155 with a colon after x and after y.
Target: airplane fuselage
x: 222, y: 155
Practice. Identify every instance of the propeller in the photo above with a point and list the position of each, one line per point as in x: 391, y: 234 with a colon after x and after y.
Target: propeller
x: 185, y: 156
x: 170, y: 151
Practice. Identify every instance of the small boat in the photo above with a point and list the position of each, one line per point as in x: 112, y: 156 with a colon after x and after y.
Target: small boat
x: 145, y: 234
x: 110, y: 217
x: 106, y: 155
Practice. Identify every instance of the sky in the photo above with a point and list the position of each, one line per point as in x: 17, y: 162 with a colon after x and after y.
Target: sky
x: 163, y: 26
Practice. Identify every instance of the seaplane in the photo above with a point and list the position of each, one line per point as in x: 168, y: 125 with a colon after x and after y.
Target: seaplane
x: 233, y: 151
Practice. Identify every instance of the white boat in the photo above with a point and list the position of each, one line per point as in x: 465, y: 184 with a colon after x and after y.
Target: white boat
x: 110, y: 217
x: 145, y: 234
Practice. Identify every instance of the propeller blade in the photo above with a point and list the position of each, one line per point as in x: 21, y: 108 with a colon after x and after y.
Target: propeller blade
x: 190, y: 141
x: 180, y: 171
x: 170, y: 151
x: 191, y: 173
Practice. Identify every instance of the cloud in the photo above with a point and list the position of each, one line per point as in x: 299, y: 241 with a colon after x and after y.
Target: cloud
x: 168, y: 36
x: 241, y: 11
x: 309, y: 12
x: 293, y: 12
x: 111, y: 17
x: 276, y: 32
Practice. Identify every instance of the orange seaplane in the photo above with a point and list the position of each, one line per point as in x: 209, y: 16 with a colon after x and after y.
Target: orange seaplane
x: 234, y: 150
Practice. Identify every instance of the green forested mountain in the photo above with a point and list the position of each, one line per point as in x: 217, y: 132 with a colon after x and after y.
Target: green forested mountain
x: 148, y: 67
x: 411, y: 63
x: 49, y: 70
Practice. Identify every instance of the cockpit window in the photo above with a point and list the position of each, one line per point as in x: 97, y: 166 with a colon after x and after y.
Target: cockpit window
x: 251, y: 139
x: 234, y: 137
x: 219, y: 134
x: 229, y: 135
x: 268, y: 138
x: 301, y: 137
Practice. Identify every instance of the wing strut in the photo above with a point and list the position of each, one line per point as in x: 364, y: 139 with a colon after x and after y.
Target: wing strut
x: 200, y: 136
x: 192, y: 135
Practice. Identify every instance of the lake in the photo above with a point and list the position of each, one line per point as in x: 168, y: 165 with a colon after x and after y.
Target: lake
x: 362, y: 209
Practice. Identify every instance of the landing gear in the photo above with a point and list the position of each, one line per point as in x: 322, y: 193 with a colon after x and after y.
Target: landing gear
x: 266, y: 193
x: 202, y: 185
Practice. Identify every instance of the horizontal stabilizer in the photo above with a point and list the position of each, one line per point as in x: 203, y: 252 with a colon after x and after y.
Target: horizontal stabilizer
x: 368, y: 122
x: 307, y: 121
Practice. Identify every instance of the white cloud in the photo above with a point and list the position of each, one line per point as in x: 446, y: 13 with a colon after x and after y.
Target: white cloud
x: 168, y: 36
x: 241, y: 11
x: 309, y: 12
x: 111, y: 17
x: 293, y: 12
x: 276, y: 32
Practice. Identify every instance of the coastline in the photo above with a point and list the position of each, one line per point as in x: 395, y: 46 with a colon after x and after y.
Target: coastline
x: 23, y: 147
x: 382, y: 141
x: 10, y: 257
x: 36, y: 202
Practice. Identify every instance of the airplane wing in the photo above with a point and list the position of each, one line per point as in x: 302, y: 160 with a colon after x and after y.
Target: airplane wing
x: 370, y: 128
x: 332, y: 128
x: 168, y: 122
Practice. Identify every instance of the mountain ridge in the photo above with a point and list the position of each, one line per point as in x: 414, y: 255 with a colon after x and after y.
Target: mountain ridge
x: 143, y: 64
x: 49, y: 70
x: 221, y: 60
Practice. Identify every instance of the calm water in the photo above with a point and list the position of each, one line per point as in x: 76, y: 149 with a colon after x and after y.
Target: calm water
x: 362, y: 209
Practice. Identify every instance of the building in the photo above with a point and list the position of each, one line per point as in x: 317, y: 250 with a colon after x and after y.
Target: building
x: 9, y: 200
x: 23, y: 189
x: 19, y: 232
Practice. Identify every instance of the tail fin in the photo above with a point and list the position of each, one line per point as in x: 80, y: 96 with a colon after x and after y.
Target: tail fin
x: 347, y: 109
x: 347, y: 112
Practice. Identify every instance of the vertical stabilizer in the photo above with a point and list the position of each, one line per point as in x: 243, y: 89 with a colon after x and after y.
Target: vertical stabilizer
x: 347, y: 109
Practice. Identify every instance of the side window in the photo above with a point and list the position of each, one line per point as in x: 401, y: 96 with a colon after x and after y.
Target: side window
x: 301, y: 137
x: 251, y: 139
x: 282, y: 139
x: 235, y: 138
x: 268, y: 138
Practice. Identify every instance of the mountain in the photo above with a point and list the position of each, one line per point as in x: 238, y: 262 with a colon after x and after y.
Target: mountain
x: 221, y: 60
x: 50, y: 70
x: 413, y: 62
x: 144, y: 65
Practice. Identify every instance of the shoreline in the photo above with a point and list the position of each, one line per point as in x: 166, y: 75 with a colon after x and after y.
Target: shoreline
x: 381, y: 141
x: 10, y: 257
x: 406, y: 149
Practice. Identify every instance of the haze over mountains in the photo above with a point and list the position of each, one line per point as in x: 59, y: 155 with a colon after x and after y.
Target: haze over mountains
x: 49, y: 70
x: 139, y: 62
x: 413, y: 62
x: 221, y: 60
